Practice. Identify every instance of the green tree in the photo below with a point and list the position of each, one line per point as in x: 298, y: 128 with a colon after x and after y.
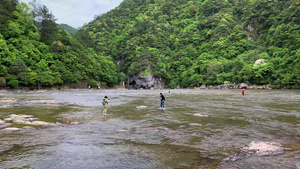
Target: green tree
x: 93, y: 83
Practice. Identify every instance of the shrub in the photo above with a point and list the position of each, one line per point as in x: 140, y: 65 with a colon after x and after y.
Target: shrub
x: 103, y: 85
x: 93, y: 83
x: 13, y: 83
x: 146, y: 73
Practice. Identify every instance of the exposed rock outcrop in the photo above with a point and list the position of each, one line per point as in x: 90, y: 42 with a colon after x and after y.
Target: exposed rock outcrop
x: 203, y: 87
x: 243, y: 86
x: 226, y: 86
x: 260, y: 62
x: 145, y: 82
x: 259, y: 87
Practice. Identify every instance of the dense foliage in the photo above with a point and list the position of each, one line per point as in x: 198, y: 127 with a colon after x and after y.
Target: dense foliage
x: 35, y: 51
x: 193, y: 42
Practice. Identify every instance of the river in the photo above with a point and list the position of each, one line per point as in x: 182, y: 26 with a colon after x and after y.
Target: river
x: 198, y: 129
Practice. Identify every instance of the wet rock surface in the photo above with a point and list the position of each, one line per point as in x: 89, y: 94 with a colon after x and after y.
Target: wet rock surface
x: 23, y: 120
x: 198, y: 129
x: 257, y: 149
x: 26, y: 119
x: 42, y: 102
x: 11, y: 129
x: 265, y: 148
x: 195, y: 124
x: 200, y: 115
x: 6, y: 100
x: 141, y: 107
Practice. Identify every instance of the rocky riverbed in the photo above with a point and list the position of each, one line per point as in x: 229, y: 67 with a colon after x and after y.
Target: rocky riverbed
x: 198, y: 129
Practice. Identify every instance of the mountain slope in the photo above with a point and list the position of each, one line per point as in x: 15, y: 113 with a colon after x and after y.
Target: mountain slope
x: 36, y: 52
x: 195, y: 42
x: 68, y: 28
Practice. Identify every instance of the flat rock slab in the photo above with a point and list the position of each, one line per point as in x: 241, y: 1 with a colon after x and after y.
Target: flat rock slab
x: 8, y: 101
x: 258, y: 149
x: 41, y: 123
x: 42, y: 102
x: 21, y: 119
x: 11, y: 129
x: 200, y: 115
x: 141, y: 107
x: 265, y: 148
x: 195, y: 124
x: 27, y: 119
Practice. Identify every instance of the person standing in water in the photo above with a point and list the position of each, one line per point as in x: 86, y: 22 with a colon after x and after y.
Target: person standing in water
x: 162, y: 101
x: 243, y: 92
x: 105, y: 104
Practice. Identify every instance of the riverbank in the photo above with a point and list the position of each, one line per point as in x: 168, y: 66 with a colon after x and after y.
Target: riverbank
x: 219, y: 87
x: 248, y: 86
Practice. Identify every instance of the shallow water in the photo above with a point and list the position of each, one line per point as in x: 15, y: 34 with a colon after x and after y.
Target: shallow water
x: 131, y: 137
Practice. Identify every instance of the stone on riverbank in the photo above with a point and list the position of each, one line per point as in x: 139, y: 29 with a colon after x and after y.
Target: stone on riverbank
x: 243, y: 86
x: 226, y: 86
x: 203, y: 87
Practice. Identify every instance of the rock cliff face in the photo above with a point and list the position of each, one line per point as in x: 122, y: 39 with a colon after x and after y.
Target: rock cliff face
x: 145, y: 82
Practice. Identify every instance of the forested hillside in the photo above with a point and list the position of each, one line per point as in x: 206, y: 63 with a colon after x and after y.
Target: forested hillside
x: 68, y: 28
x: 35, y: 51
x: 194, y: 42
